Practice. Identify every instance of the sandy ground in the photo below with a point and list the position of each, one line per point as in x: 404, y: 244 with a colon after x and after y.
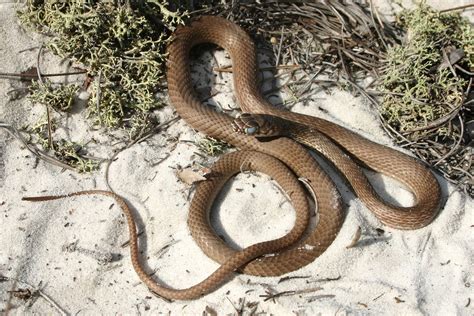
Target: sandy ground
x: 72, y: 249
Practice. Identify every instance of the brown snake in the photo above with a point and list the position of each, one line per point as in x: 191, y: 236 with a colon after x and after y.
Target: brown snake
x: 328, y: 138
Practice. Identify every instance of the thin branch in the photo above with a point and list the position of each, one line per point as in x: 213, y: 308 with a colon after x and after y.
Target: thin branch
x: 277, y: 60
x: 35, y: 151
x: 48, y: 110
x: 9, y: 75
x: 463, y: 7
x: 37, y: 291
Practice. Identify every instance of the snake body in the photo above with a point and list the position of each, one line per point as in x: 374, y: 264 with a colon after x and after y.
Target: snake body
x: 328, y: 138
x: 218, y: 125
x: 282, y: 158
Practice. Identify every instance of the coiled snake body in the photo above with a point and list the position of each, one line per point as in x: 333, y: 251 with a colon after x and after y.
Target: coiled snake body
x: 325, y: 136
x: 270, y: 157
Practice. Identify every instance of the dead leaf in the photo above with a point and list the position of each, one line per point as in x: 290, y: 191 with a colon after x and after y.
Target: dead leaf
x: 451, y: 56
x: 356, y: 238
x: 190, y: 176
x: 398, y: 300
x: 23, y: 294
x: 29, y: 74
x: 210, y: 311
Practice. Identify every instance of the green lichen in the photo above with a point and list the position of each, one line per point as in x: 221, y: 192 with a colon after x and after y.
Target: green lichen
x: 60, y: 98
x: 120, y: 43
x: 73, y: 154
x: 39, y: 131
x: 425, y: 81
x: 212, y: 147
x: 419, y: 88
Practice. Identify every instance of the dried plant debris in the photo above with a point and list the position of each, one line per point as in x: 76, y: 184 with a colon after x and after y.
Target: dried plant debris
x: 191, y: 176
x: 120, y: 43
x: 426, y: 83
x: 331, y: 37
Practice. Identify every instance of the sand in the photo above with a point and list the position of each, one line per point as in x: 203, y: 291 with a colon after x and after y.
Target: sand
x: 72, y: 250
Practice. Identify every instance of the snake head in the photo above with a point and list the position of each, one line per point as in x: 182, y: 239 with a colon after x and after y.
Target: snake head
x: 258, y: 125
x: 246, y: 124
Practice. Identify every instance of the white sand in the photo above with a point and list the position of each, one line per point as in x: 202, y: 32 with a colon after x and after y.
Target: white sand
x: 428, y: 271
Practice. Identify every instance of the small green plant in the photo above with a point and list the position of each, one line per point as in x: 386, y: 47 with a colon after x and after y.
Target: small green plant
x: 420, y: 89
x: 39, y: 131
x: 212, y: 147
x: 60, y: 98
x: 425, y: 81
x: 72, y: 154
x: 120, y: 43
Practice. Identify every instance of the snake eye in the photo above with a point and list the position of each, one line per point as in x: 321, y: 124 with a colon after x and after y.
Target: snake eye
x: 251, y: 130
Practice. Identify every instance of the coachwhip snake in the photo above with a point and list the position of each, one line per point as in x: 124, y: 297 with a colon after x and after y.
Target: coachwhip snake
x: 266, y: 156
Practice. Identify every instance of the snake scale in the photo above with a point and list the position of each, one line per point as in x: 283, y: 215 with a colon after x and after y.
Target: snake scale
x: 283, y: 158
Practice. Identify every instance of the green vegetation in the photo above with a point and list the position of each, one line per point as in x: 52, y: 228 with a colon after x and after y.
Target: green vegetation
x: 121, y: 44
x: 212, y: 147
x: 425, y: 83
x: 39, y: 131
x: 71, y: 153
x: 420, y: 85
x: 60, y: 98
